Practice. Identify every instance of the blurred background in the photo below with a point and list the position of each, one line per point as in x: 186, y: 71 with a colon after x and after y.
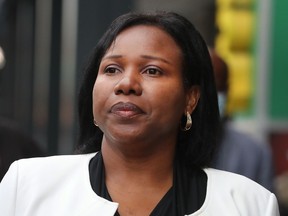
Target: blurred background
x: 44, y: 45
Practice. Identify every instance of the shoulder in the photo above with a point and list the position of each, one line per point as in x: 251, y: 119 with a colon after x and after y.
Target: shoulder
x: 243, y: 194
x: 58, y: 160
x: 233, y: 181
x: 49, y: 186
x: 53, y: 168
x: 45, y: 174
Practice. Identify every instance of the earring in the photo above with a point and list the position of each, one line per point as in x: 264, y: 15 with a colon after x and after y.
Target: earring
x: 188, y: 122
x: 95, y: 123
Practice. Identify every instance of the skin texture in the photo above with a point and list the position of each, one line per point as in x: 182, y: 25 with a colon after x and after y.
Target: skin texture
x: 139, y: 90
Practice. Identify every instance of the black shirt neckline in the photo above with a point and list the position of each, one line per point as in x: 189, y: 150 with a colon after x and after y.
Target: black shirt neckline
x: 186, y: 196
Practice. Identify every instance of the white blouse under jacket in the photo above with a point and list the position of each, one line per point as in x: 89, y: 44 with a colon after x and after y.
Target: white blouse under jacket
x: 60, y: 185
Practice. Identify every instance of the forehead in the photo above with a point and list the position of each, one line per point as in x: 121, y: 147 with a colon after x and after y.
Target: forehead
x: 145, y: 36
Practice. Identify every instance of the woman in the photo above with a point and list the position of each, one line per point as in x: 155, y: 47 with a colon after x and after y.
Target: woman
x: 149, y: 77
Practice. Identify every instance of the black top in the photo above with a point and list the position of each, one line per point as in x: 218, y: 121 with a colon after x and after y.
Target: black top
x: 186, y: 195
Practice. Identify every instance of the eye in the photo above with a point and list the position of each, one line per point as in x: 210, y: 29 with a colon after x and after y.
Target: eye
x: 153, y: 71
x: 111, y: 70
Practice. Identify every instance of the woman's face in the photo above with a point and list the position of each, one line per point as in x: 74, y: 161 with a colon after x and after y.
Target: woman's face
x: 139, y: 94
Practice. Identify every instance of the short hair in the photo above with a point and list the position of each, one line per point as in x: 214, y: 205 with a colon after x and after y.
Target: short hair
x: 195, y: 146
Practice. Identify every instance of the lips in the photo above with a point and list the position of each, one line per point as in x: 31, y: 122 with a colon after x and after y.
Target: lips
x: 127, y: 110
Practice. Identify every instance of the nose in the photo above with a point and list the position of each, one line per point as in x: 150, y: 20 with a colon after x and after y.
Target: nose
x: 128, y: 84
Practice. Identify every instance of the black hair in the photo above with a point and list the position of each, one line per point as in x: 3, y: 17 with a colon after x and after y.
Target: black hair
x: 197, y: 145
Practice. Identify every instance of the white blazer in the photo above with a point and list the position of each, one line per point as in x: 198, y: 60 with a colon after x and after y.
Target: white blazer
x: 60, y: 185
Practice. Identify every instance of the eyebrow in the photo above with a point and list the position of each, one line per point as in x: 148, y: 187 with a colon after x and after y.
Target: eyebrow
x: 112, y: 57
x: 156, y: 58
x: 143, y: 56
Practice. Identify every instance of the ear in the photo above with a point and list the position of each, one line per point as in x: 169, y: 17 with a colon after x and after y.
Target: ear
x: 192, y: 97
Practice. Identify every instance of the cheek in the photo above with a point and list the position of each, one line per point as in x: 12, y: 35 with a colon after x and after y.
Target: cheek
x: 98, y: 96
x: 170, y: 100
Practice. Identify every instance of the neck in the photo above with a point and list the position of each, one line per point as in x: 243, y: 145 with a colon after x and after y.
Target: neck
x: 151, y: 165
x: 138, y: 176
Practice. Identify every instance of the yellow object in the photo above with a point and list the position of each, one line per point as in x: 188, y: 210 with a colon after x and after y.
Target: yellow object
x: 238, y: 26
x: 240, y: 81
x: 235, y: 22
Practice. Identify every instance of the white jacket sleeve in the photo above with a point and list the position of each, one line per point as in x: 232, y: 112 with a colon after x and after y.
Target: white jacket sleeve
x: 8, y: 191
x: 272, y: 207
